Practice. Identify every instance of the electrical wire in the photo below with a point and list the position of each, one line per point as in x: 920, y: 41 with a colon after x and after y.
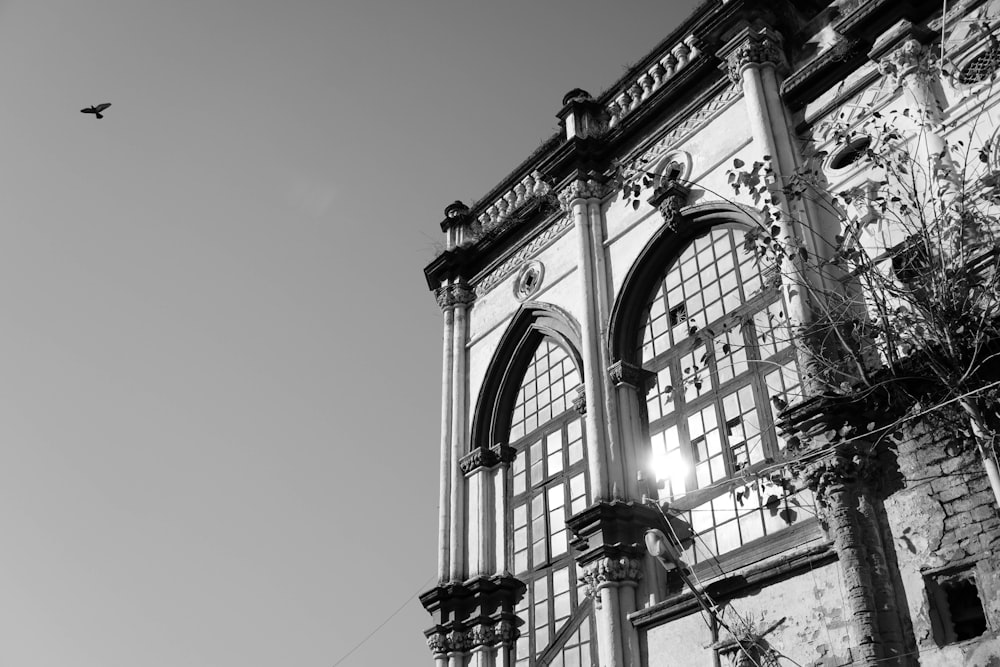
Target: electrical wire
x: 383, y: 623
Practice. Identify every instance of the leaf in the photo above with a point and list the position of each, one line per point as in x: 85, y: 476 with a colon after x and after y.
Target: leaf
x: 787, y: 515
x: 772, y: 504
x: 738, y: 163
x: 635, y: 204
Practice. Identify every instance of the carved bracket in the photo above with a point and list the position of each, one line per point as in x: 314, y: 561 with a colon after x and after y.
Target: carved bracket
x: 669, y: 198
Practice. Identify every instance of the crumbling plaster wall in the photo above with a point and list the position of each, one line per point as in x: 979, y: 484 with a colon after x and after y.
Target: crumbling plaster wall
x: 814, y: 631
x: 946, y: 516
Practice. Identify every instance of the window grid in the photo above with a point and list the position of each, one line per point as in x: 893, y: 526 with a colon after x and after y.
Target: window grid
x: 548, y: 485
x: 710, y: 412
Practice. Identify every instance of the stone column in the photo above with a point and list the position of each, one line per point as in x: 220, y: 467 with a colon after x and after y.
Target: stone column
x: 446, y: 301
x: 455, y: 298
x: 606, y: 579
x: 485, y: 470
x: 632, y: 383
x: 621, y: 464
x: 574, y: 200
x: 752, y: 58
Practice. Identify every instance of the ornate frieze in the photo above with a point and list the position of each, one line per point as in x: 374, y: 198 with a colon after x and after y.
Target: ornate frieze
x: 624, y: 373
x: 483, y: 457
x: 528, y: 251
x: 458, y: 294
x: 610, y: 570
x: 752, y: 49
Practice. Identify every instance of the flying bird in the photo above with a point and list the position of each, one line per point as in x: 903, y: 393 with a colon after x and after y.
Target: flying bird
x: 96, y: 110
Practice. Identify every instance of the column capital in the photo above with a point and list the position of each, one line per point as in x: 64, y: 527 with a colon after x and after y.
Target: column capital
x: 486, y: 458
x: 456, y: 294
x: 581, y: 188
x: 609, y: 571
x: 625, y: 374
x: 753, y: 46
x: 908, y: 59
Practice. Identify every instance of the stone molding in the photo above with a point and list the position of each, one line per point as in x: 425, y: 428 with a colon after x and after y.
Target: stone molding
x: 608, y: 571
x: 527, y: 252
x: 622, y: 373
x: 458, y: 294
x: 696, y: 121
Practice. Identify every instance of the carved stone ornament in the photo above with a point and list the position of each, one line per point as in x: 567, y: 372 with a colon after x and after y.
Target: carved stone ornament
x: 449, y: 296
x: 499, y: 633
x: 607, y: 571
x: 438, y: 643
x: 459, y: 641
x: 483, y: 457
x: 910, y: 59
x: 624, y: 373
x: 529, y: 280
x: 504, y: 453
x: 580, y: 189
x: 580, y: 400
x: 669, y: 198
x: 755, y: 50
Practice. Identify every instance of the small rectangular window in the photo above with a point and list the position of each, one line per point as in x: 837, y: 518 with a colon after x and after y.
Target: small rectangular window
x: 957, y: 608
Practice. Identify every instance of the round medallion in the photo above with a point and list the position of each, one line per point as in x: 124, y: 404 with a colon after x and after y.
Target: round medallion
x: 529, y: 280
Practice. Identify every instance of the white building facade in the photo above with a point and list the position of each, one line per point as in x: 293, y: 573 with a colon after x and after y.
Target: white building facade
x: 613, y: 363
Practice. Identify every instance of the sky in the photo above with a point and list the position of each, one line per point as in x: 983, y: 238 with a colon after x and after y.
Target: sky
x: 219, y: 359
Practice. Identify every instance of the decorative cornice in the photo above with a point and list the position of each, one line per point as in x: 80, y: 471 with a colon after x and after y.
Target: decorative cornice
x: 456, y: 294
x: 643, y: 83
x: 752, y: 48
x: 624, y: 373
x: 476, y: 613
x: 529, y: 188
x: 527, y: 252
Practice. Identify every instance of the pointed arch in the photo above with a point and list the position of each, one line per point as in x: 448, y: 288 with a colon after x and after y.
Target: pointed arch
x: 661, y: 250
x: 531, y: 323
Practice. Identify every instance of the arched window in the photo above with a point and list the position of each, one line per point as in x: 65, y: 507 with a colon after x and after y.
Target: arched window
x: 549, y: 484
x: 714, y: 336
